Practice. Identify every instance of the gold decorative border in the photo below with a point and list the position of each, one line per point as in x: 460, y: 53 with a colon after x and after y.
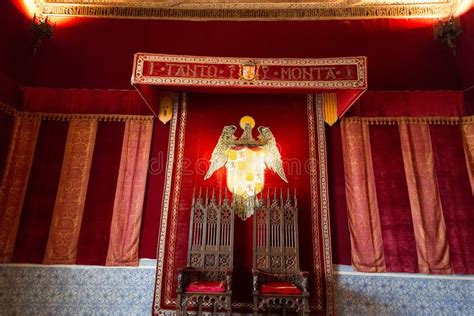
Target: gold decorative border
x: 165, y: 208
x: 169, y: 194
x: 73, y: 116
x: 5, y: 108
x: 359, y: 61
x: 15, y: 179
x: 324, y: 203
x: 175, y: 203
x: 432, y: 120
x: 313, y: 174
x: 171, y: 10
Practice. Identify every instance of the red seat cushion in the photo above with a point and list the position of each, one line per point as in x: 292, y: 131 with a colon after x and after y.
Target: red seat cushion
x: 206, y: 287
x: 279, y: 288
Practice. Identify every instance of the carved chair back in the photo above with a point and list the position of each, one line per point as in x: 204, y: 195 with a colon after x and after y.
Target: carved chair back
x: 211, y: 234
x: 275, y: 234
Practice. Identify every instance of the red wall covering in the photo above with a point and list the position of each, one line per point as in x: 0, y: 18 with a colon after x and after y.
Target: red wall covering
x: 97, y: 53
x: 465, y: 51
x: 456, y: 197
x: 15, y: 42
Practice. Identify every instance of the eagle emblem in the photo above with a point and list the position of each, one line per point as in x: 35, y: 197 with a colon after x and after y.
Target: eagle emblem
x: 246, y: 159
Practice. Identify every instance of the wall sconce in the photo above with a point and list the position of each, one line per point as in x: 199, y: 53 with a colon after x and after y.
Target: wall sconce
x: 447, y: 31
x: 42, y: 29
x: 246, y: 159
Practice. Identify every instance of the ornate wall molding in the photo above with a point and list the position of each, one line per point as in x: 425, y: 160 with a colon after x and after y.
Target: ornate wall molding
x: 239, y: 10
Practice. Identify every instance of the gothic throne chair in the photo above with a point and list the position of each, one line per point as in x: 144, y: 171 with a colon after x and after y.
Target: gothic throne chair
x: 207, y: 279
x: 278, y: 282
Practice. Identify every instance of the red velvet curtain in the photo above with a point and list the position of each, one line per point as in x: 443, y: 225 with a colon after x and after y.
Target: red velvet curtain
x: 392, y: 194
x: 83, y: 101
x: 33, y: 231
x: 340, y: 237
x: 39, y: 202
x: 409, y: 103
x: 423, y: 195
x: 154, y: 191
x: 92, y: 243
x: 456, y: 197
x: 94, y: 236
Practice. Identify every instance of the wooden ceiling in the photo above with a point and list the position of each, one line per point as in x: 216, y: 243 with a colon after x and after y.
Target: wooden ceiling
x: 251, y: 9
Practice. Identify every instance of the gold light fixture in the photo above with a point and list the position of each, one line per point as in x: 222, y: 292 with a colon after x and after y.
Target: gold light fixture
x: 246, y: 159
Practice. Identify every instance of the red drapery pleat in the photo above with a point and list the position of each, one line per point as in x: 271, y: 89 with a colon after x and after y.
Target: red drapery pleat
x: 456, y: 197
x: 340, y: 237
x: 154, y: 191
x: 94, y: 237
x: 361, y: 196
x: 41, y: 193
x: 425, y: 202
x: 130, y: 194
x: 392, y: 196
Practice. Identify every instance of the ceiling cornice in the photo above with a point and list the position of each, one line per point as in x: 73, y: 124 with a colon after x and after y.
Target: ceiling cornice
x: 262, y: 11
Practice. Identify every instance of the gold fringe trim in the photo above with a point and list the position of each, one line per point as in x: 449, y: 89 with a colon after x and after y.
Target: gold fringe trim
x: 431, y: 120
x: 5, y: 108
x: 68, y: 117
x: 236, y: 11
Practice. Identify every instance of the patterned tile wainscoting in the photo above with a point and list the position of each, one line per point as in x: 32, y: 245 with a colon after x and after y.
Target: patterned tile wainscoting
x: 75, y: 290
x: 91, y: 290
x: 402, y: 293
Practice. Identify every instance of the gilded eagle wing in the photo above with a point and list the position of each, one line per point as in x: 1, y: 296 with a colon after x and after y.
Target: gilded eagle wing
x: 219, y: 154
x: 272, y: 154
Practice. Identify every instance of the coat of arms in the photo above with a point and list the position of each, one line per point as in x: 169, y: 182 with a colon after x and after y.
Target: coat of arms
x: 246, y: 159
x: 249, y: 72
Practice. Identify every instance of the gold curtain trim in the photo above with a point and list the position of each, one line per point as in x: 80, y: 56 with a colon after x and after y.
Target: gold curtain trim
x: 425, y: 202
x: 71, y: 195
x: 432, y: 120
x: 73, y: 116
x: 5, y: 108
x: 129, y: 195
x: 99, y: 117
x: 15, y: 182
x: 467, y: 129
x: 361, y: 199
